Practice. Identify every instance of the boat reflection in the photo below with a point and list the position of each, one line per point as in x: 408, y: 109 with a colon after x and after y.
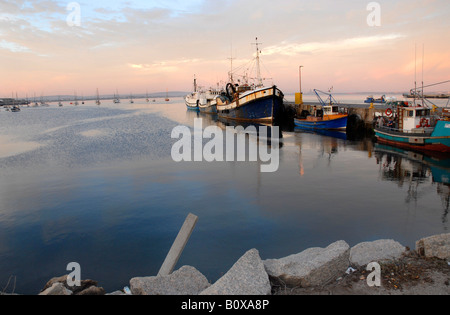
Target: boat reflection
x: 414, y: 170
x: 328, y: 133
x: 214, y: 120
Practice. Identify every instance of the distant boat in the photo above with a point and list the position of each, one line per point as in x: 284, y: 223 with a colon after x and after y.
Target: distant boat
x: 327, y: 117
x: 76, y: 100
x: 15, y: 109
x: 98, y: 99
x: 131, y: 99
x: 371, y: 99
x: 43, y: 103
x: 167, y: 96
x: 116, y: 98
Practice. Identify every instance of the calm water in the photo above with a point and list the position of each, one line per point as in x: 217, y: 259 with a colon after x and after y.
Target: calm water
x: 98, y: 186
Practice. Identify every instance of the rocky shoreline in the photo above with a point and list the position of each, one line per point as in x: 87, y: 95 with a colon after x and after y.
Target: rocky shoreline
x: 315, y: 271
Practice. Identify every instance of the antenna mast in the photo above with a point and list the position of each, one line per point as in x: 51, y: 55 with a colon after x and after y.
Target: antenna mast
x: 258, y: 67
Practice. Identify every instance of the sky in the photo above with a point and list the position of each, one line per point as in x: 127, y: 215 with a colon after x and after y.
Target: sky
x: 55, y: 47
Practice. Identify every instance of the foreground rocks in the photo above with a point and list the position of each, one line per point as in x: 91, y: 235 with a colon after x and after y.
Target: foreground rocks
x: 59, y: 286
x: 312, y: 268
x: 434, y: 246
x: 185, y: 281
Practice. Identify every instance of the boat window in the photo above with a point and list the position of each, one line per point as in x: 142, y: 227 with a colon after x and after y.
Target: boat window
x: 411, y: 113
x: 422, y: 112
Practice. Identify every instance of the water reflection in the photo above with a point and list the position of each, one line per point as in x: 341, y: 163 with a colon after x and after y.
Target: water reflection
x: 414, y: 171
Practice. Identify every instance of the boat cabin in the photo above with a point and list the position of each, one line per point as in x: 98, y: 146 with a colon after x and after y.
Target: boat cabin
x: 415, y: 118
x: 330, y: 110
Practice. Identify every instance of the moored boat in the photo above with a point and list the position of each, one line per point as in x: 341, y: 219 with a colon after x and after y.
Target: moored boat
x: 414, y: 128
x: 201, y: 100
x: 326, y: 117
x: 371, y: 100
x: 250, y: 102
x: 244, y: 103
x: 15, y: 109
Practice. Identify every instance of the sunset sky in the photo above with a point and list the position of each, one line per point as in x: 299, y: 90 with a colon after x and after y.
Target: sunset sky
x: 138, y: 46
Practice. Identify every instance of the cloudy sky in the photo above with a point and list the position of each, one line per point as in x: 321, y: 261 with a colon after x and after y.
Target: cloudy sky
x: 55, y: 47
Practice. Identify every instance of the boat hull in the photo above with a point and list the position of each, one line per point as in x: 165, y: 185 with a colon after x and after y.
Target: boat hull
x: 263, y: 105
x: 208, y: 109
x: 437, y: 141
x: 330, y: 124
x: 191, y: 105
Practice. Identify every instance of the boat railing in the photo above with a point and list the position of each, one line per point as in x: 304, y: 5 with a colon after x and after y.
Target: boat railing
x: 401, y: 131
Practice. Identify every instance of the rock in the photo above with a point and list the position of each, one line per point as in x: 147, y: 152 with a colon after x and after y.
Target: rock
x: 185, y: 281
x: 246, y: 277
x: 93, y: 290
x: 51, y: 282
x: 312, y: 267
x: 57, y: 288
x: 365, y: 253
x: 87, y: 287
x: 437, y: 246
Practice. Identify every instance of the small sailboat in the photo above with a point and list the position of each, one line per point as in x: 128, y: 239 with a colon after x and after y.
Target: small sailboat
x: 43, y: 103
x: 116, y: 98
x: 167, y: 96
x: 76, y: 100
x: 36, y: 104
x: 60, y: 104
x: 98, y: 99
x: 131, y: 99
x: 15, y: 108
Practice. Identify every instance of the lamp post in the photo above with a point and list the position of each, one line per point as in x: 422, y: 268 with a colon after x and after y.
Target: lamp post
x: 299, y: 101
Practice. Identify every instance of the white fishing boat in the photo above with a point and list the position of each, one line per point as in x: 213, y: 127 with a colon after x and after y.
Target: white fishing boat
x: 203, y: 100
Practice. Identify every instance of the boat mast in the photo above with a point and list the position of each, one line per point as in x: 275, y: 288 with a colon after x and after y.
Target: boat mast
x: 195, y: 84
x: 231, y: 60
x: 258, y: 66
x: 423, y: 60
x: 415, y: 75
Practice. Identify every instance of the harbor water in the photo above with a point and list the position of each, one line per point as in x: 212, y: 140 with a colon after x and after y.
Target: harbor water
x: 97, y: 185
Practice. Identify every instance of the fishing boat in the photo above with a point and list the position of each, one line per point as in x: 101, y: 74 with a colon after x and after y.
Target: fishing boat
x: 372, y: 100
x: 203, y: 101
x: 192, y: 100
x: 328, y: 116
x: 413, y: 127
x: 250, y: 102
x: 208, y: 103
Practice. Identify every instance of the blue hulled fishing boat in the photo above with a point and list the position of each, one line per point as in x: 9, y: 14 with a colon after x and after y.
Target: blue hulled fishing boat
x: 250, y: 102
x: 327, y: 117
